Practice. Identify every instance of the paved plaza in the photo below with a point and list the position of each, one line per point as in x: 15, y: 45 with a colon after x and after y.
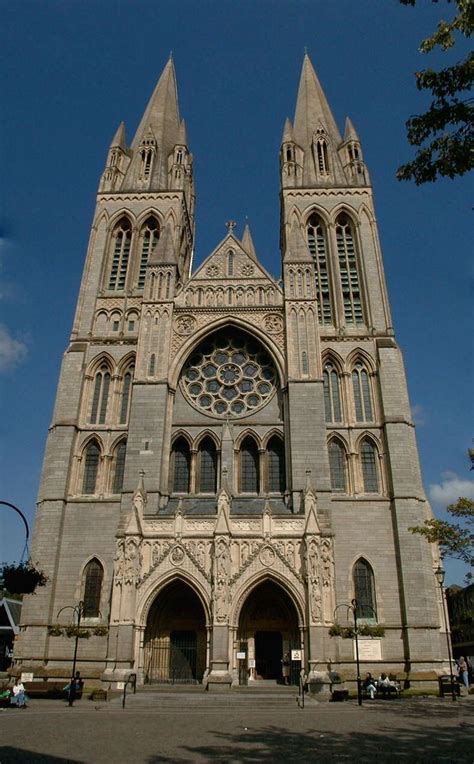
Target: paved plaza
x: 186, y: 726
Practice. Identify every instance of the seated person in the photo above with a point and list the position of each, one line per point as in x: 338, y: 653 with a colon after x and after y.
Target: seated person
x: 369, y: 685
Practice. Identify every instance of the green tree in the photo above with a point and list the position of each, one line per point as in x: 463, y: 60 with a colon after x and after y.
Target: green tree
x: 454, y: 539
x: 444, y: 134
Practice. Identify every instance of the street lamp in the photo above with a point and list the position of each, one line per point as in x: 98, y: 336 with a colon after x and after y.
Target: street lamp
x: 440, y: 574
x: 78, y: 613
x: 353, y: 609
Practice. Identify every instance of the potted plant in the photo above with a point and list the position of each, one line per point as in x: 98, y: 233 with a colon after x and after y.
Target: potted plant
x: 23, y: 578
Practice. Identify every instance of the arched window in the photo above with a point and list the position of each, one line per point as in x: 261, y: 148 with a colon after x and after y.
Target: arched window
x: 121, y: 242
x: 249, y: 466
x: 362, y: 393
x: 151, y: 365
x: 150, y: 234
x: 276, y: 466
x: 337, y: 465
x: 230, y: 263
x: 332, y: 394
x: 181, y: 463
x: 93, y: 577
x: 207, y: 466
x: 322, y: 155
x: 364, y: 590
x: 100, y: 395
x: 91, y: 468
x: 317, y: 246
x: 119, y: 466
x: 368, y: 457
x: 126, y: 395
x: 350, y: 283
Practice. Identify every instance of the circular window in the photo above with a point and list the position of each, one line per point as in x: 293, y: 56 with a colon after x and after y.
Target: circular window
x: 229, y: 376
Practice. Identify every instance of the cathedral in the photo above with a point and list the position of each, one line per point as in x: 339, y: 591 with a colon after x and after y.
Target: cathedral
x: 231, y: 470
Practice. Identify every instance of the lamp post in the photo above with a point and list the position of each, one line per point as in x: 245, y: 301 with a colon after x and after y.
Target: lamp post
x: 353, y: 609
x: 440, y: 575
x: 78, y: 613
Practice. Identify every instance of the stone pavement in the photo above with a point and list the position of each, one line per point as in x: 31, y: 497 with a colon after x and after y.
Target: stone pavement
x: 244, y: 726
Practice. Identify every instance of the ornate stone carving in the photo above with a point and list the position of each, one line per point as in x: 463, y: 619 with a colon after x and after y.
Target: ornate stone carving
x: 212, y: 270
x: 273, y: 323
x: 185, y: 325
x: 247, y: 269
x: 177, y: 555
x: 267, y: 556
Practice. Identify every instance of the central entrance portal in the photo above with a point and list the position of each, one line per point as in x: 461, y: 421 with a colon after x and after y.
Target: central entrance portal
x: 268, y: 628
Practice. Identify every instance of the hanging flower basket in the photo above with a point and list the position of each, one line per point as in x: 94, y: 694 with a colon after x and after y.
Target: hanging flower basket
x: 73, y: 631
x: 347, y: 632
x: 55, y: 631
x: 100, y: 631
x: 22, y: 578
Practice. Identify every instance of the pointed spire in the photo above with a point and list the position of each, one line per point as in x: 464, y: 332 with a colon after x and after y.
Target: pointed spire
x: 312, y: 108
x: 119, y: 140
x: 350, y: 131
x: 247, y: 242
x: 182, y: 137
x: 162, y: 112
x: 296, y: 247
x: 288, y: 135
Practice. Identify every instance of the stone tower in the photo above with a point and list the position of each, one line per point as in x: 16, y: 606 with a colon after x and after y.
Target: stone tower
x: 231, y: 457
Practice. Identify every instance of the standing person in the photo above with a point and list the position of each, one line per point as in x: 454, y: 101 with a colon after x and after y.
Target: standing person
x: 285, y: 668
x: 75, y: 688
x: 463, y: 671
x: 18, y: 698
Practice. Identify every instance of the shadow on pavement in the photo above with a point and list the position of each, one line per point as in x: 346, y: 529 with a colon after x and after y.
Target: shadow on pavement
x: 423, y: 745
x: 10, y: 755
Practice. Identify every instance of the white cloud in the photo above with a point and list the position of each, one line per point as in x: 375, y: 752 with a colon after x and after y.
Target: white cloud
x: 450, y: 489
x: 418, y: 414
x: 12, y: 351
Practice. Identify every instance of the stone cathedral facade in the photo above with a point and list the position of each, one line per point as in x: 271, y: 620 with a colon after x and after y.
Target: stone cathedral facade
x: 231, y: 457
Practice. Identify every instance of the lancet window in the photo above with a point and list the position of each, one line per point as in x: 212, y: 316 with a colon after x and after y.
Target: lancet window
x: 207, y: 467
x: 368, y: 458
x: 364, y: 589
x: 126, y: 395
x: 100, y: 396
x: 337, y: 465
x: 362, y: 393
x: 91, y: 468
x: 150, y: 234
x: 249, y: 466
x: 349, y: 272
x: 119, y: 466
x: 181, y: 466
x: 276, y: 482
x: 317, y: 245
x: 93, y: 577
x: 121, y: 243
x: 332, y: 393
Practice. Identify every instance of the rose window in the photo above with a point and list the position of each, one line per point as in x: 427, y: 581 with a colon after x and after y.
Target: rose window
x: 229, y: 376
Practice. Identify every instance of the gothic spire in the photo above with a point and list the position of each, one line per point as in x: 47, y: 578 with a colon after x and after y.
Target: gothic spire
x: 350, y: 131
x: 119, y: 140
x: 288, y: 136
x: 162, y: 112
x: 312, y: 109
x: 247, y: 242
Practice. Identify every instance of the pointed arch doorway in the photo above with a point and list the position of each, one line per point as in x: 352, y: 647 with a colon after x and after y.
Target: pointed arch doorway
x: 175, y: 637
x: 268, y: 628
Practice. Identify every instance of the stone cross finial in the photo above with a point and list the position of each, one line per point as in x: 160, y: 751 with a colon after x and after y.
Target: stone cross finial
x: 230, y: 225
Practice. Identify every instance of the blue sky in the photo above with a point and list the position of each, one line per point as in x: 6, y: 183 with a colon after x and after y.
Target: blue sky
x: 73, y: 69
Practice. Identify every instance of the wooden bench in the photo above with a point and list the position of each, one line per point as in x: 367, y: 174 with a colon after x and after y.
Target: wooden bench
x: 46, y: 689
